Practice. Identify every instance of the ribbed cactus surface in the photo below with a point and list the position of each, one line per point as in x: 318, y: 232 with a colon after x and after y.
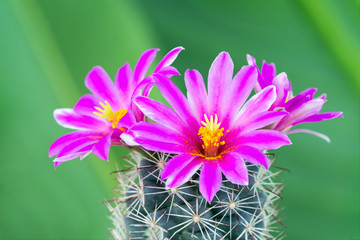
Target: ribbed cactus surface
x: 146, y: 209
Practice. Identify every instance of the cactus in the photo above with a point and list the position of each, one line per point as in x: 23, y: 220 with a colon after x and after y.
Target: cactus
x: 146, y: 209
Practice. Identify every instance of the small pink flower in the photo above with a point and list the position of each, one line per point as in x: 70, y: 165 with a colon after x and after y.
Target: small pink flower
x: 214, y: 130
x: 300, y: 108
x: 102, y: 117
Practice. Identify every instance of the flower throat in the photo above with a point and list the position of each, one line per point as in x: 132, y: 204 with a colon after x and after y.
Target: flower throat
x: 210, y: 134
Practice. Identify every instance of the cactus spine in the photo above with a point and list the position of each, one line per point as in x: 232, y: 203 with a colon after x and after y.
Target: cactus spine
x: 145, y: 209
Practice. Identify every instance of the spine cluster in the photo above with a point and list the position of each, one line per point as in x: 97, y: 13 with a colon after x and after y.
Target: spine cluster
x: 145, y: 209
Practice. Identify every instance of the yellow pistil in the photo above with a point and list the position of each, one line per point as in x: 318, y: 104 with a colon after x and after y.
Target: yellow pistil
x: 210, y: 134
x: 107, y: 113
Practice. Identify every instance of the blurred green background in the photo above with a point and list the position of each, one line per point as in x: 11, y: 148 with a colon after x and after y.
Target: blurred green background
x: 47, y: 47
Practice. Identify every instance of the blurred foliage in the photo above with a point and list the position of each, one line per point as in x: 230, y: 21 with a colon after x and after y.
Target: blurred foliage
x: 47, y: 48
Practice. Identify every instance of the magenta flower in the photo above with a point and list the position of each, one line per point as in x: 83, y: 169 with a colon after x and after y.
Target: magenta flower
x: 102, y: 117
x: 213, y: 130
x: 300, y: 108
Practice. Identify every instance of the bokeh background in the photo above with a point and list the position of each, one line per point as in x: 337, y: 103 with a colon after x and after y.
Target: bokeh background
x: 47, y: 47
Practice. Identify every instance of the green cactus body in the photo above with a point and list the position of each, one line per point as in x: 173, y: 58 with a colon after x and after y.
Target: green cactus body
x: 146, y: 209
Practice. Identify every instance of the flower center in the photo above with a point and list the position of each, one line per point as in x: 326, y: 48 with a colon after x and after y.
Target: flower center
x: 107, y: 113
x: 210, y: 134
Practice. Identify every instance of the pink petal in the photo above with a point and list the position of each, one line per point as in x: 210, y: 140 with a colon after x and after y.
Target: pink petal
x: 251, y: 60
x: 159, y: 112
x: 125, y: 84
x: 100, y: 84
x: 260, y: 80
x: 268, y: 71
x: 234, y: 168
x: 175, y: 165
x: 176, y: 99
x: 66, y: 117
x: 241, y: 87
x: 77, y: 146
x: 283, y: 89
x: 305, y: 110
x: 69, y: 138
x: 300, y: 99
x: 71, y: 156
x: 264, y: 139
x: 219, y: 80
x: 254, y: 156
x: 101, y: 148
x: 210, y: 179
x: 143, y: 64
x: 185, y: 174
x: 320, y: 117
x: 196, y: 93
x: 129, y: 138
x: 261, y: 120
x: 317, y: 134
x: 169, y: 71
x: 260, y: 102
x: 158, y: 132
x: 86, y: 105
x: 160, y: 146
x: 139, y: 116
x: 127, y: 120
x: 168, y: 59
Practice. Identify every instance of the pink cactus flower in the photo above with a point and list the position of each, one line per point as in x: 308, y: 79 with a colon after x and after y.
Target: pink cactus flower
x: 214, y: 130
x: 102, y: 117
x: 300, y: 108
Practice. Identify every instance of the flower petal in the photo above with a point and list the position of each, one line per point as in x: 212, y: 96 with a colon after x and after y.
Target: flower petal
x: 159, y: 146
x: 283, y: 90
x: 125, y: 84
x: 71, y: 156
x: 101, y: 85
x: 268, y: 71
x: 254, y: 156
x: 169, y: 71
x: 159, y: 112
x: 234, y: 169
x: 86, y: 105
x: 176, y: 99
x: 158, y: 132
x: 66, y: 117
x: 128, y: 138
x: 260, y: 80
x: 261, y: 120
x: 241, y: 87
x: 264, y: 139
x: 101, y: 149
x: 176, y: 164
x: 156, y: 137
x: 300, y: 99
x: 168, y: 59
x: 260, y: 102
x: 303, y: 111
x: 219, y: 80
x: 69, y: 138
x: 181, y: 177
x: 77, y: 146
x: 210, y: 179
x: 196, y: 93
x: 320, y: 117
x: 143, y: 64
x: 127, y: 120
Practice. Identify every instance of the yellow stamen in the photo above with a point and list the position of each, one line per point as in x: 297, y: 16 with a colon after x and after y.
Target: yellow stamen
x: 210, y: 134
x: 288, y: 98
x: 107, y: 113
